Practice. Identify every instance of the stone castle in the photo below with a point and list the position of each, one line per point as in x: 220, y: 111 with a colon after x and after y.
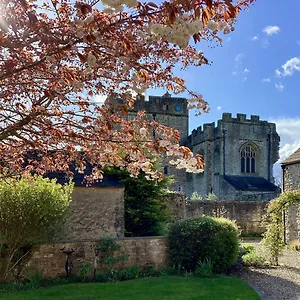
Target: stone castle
x: 239, y: 153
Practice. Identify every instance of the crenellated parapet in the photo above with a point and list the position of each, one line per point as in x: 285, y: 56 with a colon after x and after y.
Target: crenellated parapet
x: 157, y: 104
x: 227, y: 117
x: 227, y: 123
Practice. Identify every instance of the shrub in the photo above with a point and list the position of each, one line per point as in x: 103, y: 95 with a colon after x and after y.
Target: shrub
x: 204, y: 269
x: 253, y: 259
x: 211, y: 197
x: 196, y: 197
x: 30, y: 209
x: 201, y: 238
x: 132, y: 272
x: 246, y: 249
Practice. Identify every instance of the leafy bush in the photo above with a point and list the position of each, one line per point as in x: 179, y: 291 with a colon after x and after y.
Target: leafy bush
x: 246, y: 249
x: 30, y: 209
x: 84, y: 269
x: 204, y: 269
x: 102, y: 277
x: 108, y: 249
x: 211, y: 197
x: 132, y: 272
x: 253, y: 259
x: 196, y: 197
x: 200, y: 238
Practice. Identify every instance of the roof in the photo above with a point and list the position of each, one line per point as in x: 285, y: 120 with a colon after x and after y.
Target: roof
x: 78, y: 179
x: 251, y: 183
x: 293, y: 158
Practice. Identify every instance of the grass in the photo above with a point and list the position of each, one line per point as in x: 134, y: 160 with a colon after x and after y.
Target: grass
x: 161, y: 288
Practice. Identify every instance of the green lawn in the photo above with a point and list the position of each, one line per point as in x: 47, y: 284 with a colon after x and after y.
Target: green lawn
x: 163, y: 288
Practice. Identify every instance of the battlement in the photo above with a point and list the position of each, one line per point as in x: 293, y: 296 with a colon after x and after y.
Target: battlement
x: 158, y: 104
x: 210, y: 131
x: 227, y: 117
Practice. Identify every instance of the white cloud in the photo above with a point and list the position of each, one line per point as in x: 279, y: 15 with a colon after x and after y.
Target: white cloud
x: 277, y: 73
x: 289, y: 67
x: 288, y: 130
x: 246, y: 70
x: 245, y: 78
x: 219, y: 107
x: 279, y: 86
x: 228, y: 39
x: 272, y: 29
x: 264, y: 80
x: 255, y: 38
x: 239, y: 57
x: 238, y: 64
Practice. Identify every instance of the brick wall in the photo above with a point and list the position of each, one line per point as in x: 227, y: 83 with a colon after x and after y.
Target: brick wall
x: 50, y: 261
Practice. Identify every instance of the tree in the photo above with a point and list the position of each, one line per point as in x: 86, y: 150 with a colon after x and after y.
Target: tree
x: 146, y: 212
x: 56, y: 56
x: 30, y: 209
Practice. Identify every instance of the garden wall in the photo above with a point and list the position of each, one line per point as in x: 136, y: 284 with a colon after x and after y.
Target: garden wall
x: 93, y: 213
x: 247, y: 214
x: 49, y: 260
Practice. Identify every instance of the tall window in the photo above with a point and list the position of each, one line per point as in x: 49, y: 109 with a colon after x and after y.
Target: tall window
x: 248, y: 159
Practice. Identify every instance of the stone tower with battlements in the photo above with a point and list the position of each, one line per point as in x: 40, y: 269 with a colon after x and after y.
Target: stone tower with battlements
x: 239, y: 153
x: 171, y: 112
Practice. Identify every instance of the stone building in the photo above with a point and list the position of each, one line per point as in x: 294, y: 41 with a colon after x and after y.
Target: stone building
x: 291, y: 181
x: 239, y: 153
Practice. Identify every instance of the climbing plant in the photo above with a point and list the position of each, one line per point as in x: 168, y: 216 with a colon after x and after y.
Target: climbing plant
x: 273, y: 237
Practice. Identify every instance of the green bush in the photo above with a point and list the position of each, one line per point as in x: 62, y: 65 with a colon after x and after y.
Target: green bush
x: 30, y: 209
x: 132, y: 272
x: 246, y: 249
x: 201, y: 238
x: 204, y: 269
x: 253, y: 259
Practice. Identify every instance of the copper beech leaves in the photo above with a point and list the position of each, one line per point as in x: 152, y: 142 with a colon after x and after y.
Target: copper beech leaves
x: 60, y: 59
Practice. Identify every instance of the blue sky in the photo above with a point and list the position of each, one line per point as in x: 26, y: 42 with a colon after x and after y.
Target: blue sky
x: 242, y: 78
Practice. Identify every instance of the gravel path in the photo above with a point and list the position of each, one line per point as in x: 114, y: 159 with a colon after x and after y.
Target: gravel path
x: 275, y: 283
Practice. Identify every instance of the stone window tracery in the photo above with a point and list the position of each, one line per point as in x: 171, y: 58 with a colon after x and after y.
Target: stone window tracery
x: 248, y: 159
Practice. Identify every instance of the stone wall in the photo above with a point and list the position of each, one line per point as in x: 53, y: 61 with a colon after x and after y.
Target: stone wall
x: 291, y: 181
x: 177, y: 205
x: 94, y: 213
x: 247, y: 214
x: 49, y: 260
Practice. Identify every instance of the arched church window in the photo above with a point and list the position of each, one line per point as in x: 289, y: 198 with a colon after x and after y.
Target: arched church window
x: 248, y: 159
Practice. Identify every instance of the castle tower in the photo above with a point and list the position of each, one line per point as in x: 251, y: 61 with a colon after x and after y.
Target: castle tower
x: 168, y: 111
x: 239, y: 154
